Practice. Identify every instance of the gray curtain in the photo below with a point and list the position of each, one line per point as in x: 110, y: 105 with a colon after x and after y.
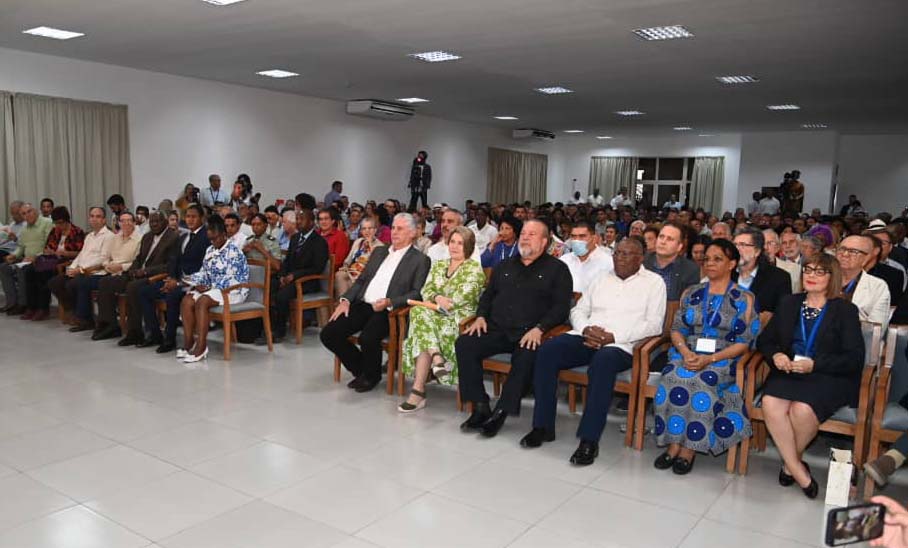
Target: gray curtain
x: 516, y: 176
x: 7, y: 156
x: 707, y: 182
x: 75, y: 152
x: 612, y: 173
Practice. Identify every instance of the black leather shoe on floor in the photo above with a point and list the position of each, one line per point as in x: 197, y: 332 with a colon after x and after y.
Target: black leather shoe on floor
x: 812, y: 490
x: 480, y: 415
x: 536, y: 438
x: 786, y: 480
x: 682, y: 467
x: 153, y: 341
x: 585, y: 454
x: 82, y: 326
x: 110, y: 332
x: 364, y: 385
x: 166, y: 347
x: 131, y: 339
x: 664, y: 461
x: 491, y: 427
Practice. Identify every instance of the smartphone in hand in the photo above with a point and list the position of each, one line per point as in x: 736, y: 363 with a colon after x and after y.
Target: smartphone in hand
x: 858, y: 523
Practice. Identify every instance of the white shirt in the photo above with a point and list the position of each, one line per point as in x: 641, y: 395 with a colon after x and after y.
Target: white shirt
x: 246, y: 230
x: 275, y: 231
x: 769, y: 206
x: 95, y: 249
x: 439, y: 252
x: 618, y: 200
x: 210, y: 196
x: 672, y: 205
x: 378, y: 287
x: 597, y: 201
x: 871, y: 296
x: 484, y: 236
x: 746, y: 282
x: 630, y: 309
x: 142, y: 229
x: 430, y: 228
x: 794, y: 272
x: 239, y: 239
x: 597, y: 263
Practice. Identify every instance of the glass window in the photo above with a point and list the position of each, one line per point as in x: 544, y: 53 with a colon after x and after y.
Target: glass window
x: 648, y: 166
x: 671, y: 169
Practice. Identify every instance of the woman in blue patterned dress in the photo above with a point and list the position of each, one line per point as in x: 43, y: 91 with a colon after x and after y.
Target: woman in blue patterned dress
x: 699, y: 408
x: 224, y: 266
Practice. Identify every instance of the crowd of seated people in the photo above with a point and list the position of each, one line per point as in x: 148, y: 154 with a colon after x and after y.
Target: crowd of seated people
x: 603, y: 270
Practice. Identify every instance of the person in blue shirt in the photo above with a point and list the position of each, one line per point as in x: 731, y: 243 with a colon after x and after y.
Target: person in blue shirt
x: 505, y: 245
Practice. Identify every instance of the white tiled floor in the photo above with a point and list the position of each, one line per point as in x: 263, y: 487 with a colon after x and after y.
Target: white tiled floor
x: 105, y: 447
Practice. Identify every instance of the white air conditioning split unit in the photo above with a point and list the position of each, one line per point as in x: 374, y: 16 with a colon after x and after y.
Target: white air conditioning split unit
x: 530, y: 133
x: 379, y: 109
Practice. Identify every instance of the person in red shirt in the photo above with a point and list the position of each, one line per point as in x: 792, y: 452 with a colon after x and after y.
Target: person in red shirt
x: 329, y: 221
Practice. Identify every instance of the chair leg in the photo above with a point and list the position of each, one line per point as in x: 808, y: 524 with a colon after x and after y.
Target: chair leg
x: 337, y: 370
x: 459, y: 401
x: 228, y: 332
x: 763, y: 435
x: 572, y: 398
x: 731, y: 458
x: 744, y: 457
x: 583, y: 397
x: 266, y: 320
x: 298, y: 327
x: 392, y: 371
x: 631, y: 420
x: 640, y: 420
x: 121, y: 305
x: 496, y: 384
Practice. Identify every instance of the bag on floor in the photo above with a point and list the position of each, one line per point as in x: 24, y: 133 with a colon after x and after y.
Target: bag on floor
x: 838, y: 484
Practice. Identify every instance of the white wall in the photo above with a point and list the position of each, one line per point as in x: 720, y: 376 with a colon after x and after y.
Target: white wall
x: 765, y: 157
x: 875, y: 168
x: 182, y: 129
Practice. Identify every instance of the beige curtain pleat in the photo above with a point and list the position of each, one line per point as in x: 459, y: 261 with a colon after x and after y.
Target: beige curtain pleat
x: 707, y: 182
x: 7, y: 156
x: 76, y: 152
x: 516, y: 176
x: 611, y: 173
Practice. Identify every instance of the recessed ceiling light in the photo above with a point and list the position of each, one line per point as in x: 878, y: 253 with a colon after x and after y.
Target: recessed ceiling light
x: 783, y: 107
x: 573, y: 131
x: 814, y: 126
x: 412, y: 100
x: 435, y: 56
x: 221, y: 2
x: 682, y: 128
x: 629, y: 113
x: 56, y: 34
x: 506, y: 118
x: 664, y: 33
x: 749, y: 79
x: 707, y: 135
x: 277, y: 73
x: 554, y: 90
x: 604, y: 137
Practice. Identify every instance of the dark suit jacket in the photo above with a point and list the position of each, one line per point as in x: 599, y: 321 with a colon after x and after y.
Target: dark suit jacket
x: 839, y: 345
x: 893, y: 278
x: 406, y: 283
x: 159, y: 260
x: 189, y: 261
x: 306, y: 258
x: 685, y: 273
x: 771, y: 284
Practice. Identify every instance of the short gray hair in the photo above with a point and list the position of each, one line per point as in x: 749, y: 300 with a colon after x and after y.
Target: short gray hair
x: 16, y: 204
x: 411, y: 221
x: 756, y: 235
x: 769, y: 233
x: 456, y: 212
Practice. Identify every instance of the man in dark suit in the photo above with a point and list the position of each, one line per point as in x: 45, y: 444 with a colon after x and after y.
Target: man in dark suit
x: 185, y: 260
x: 767, y: 282
x: 668, y: 261
x: 392, y: 276
x: 154, y: 251
x: 306, y: 256
x: 892, y: 276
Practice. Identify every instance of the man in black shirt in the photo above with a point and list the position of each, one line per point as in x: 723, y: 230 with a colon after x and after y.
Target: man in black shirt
x: 527, y: 296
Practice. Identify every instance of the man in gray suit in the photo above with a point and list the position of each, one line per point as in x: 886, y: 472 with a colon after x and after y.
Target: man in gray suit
x: 393, y: 275
x: 677, y: 271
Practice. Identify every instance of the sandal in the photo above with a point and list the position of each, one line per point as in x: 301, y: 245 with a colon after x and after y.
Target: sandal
x: 440, y: 370
x: 407, y: 407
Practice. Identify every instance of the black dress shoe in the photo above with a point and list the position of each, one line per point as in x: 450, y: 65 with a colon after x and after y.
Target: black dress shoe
x: 682, y: 467
x: 364, y: 385
x: 786, y: 480
x: 153, y: 341
x: 353, y: 383
x: 664, y: 461
x: 82, y: 326
x: 480, y: 415
x: 812, y: 490
x: 109, y: 332
x: 15, y: 311
x: 131, y: 339
x: 491, y: 427
x: 537, y: 437
x: 585, y: 454
x: 166, y: 347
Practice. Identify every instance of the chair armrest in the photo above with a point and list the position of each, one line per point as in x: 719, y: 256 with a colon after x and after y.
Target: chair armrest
x: 647, y: 349
x: 465, y: 323
x: 249, y: 285
x: 61, y: 267
x: 400, y: 312
x: 555, y: 331
x: 300, y: 281
x: 882, y: 395
x: 157, y: 278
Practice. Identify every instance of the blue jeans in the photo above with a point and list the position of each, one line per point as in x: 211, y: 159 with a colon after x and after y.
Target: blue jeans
x: 568, y: 352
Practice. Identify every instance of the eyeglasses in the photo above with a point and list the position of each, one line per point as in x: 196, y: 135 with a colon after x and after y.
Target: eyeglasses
x: 818, y: 271
x: 744, y: 244
x: 850, y: 251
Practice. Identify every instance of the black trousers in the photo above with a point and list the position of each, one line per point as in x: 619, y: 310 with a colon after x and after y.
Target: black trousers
x: 418, y: 194
x: 280, y: 306
x: 108, y: 289
x: 372, y: 327
x: 43, y: 283
x: 471, y: 350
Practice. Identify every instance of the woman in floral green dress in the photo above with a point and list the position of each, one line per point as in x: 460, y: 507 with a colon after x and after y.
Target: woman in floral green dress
x: 454, y: 285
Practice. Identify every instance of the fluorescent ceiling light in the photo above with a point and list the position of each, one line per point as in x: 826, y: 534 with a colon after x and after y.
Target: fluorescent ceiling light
x: 629, y: 113
x: 435, y: 56
x: 682, y: 128
x: 554, y: 90
x: 814, y: 126
x: 707, y: 135
x: 221, y: 2
x: 663, y: 33
x: 277, y: 73
x: 56, y: 34
x: 737, y: 79
x: 604, y: 137
x: 412, y: 100
x: 506, y: 118
x: 783, y: 107
x: 573, y: 131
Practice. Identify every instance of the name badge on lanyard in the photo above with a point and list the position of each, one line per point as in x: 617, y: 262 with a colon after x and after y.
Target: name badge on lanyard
x: 810, y: 341
x: 707, y: 345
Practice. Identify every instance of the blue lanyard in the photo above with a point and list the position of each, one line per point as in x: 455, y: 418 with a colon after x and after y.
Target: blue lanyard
x: 850, y: 287
x: 510, y: 253
x: 810, y: 341
x: 707, y: 317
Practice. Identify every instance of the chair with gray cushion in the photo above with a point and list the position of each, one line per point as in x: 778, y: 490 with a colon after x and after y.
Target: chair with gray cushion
x: 255, y: 306
x: 312, y: 301
x: 890, y: 420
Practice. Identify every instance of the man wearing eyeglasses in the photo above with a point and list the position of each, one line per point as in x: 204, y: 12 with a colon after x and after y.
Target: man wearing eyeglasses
x: 885, y: 236
x: 869, y: 293
x: 767, y: 282
x: 894, y: 278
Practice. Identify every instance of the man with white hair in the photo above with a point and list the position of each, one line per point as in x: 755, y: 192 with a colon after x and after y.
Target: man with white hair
x: 790, y: 242
x: 393, y: 275
x: 771, y: 249
x: 450, y: 219
x: 721, y: 231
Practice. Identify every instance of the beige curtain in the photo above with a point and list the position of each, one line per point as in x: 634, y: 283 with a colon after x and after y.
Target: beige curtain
x: 7, y: 156
x: 516, y: 176
x: 75, y: 152
x: 707, y: 182
x: 611, y: 173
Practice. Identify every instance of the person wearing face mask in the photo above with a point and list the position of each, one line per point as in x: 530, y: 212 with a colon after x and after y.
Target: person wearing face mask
x: 768, y: 283
x: 587, y: 260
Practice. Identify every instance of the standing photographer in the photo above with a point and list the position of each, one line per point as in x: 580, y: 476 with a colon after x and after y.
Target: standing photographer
x: 420, y: 180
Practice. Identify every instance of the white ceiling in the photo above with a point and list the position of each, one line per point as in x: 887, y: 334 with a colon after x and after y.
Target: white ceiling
x: 844, y: 61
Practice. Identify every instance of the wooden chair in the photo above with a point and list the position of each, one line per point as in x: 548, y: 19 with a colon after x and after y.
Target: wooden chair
x: 312, y: 301
x: 256, y: 305
x: 847, y: 420
x: 889, y: 420
x: 61, y: 312
x: 627, y: 382
x: 391, y: 345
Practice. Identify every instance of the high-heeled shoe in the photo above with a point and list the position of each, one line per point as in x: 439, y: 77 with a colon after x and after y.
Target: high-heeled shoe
x: 191, y: 358
x: 786, y: 480
x: 812, y: 490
